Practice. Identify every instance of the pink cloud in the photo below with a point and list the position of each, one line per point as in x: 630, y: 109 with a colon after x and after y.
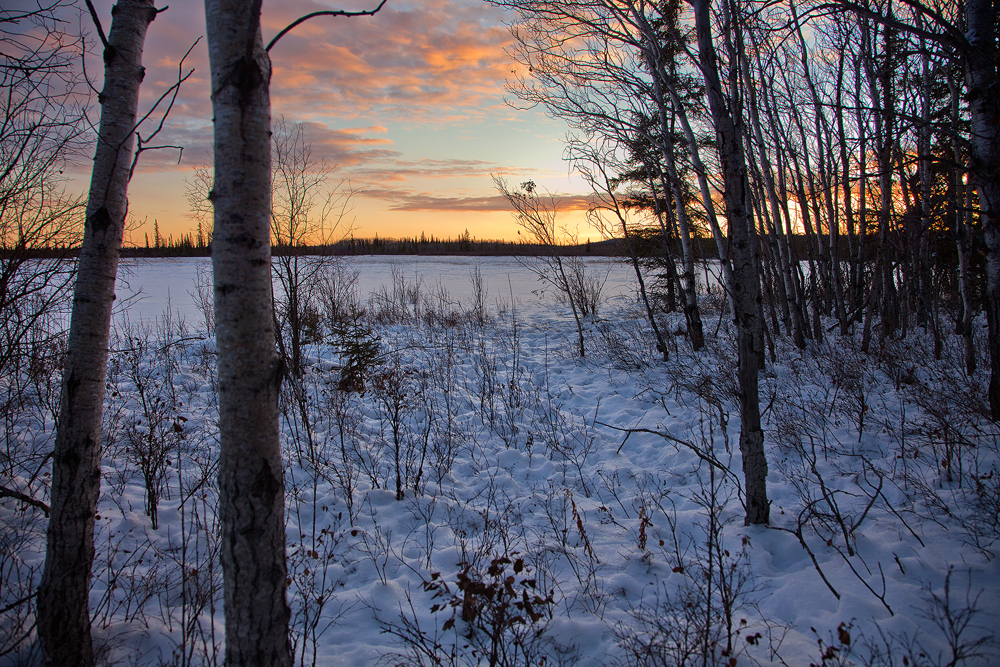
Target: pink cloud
x: 348, y: 147
x: 403, y: 170
x: 433, y: 61
x: 422, y: 62
x: 403, y: 200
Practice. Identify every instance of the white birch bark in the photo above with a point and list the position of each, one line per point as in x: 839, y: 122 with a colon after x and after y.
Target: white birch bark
x: 981, y: 77
x: 251, y: 487
x: 722, y: 247
x: 63, y: 612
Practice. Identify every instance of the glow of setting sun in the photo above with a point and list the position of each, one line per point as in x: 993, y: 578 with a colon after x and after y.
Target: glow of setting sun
x: 407, y: 107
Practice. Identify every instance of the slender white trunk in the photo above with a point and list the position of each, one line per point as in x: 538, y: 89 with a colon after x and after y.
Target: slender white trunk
x: 251, y: 486
x: 63, y: 612
x: 705, y: 189
x: 848, y: 199
x: 984, y: 107
x: 692, y: 313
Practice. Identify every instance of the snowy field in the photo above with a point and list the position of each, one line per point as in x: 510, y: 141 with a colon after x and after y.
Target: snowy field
x: 492, y: 498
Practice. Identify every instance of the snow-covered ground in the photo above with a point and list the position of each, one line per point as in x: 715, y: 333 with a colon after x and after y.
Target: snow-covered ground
x: 554, y: 509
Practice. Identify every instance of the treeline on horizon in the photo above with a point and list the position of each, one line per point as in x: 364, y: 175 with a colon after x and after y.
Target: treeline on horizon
x: 649, y: 246
x: 197, y: 245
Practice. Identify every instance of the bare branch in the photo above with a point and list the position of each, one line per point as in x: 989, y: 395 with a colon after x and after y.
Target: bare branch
x: 952, y: 36
x: 26, y: 499
x: 337, y: 12
x: 97, y: 24
x: 705, y: 456
x: 172, y: 91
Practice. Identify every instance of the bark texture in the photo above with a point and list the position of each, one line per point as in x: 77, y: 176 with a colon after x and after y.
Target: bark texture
x: 745, y: 285
x: 984, y: 106
x: 251, y: 488
x: 63, y: 613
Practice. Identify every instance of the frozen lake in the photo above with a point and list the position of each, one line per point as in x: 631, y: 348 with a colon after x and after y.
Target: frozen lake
x: 146, y: 286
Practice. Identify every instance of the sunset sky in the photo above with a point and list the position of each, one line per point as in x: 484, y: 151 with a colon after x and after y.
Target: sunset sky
x: 408, y: 104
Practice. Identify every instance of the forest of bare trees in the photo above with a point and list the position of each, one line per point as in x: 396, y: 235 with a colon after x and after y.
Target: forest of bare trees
x: 869, y: 132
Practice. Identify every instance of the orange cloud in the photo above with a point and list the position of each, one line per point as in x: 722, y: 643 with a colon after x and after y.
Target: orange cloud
x: 421, y: 61
x: 426, y: 61
x: 364, y: 87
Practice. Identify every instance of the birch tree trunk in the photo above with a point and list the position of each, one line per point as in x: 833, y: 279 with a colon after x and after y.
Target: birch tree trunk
x: 984, y: 107
x: 251, y: 487
x: 63, y: 611
x: 963, y: 239
x: 746, y: 280
x: 881, y: 79
x: 918, y: 246
x: 848, y: 199
x: 692, y: 314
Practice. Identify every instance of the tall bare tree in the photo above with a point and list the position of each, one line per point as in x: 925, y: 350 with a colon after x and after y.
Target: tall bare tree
x: 251, y: 487
x: 63, y: 614
x: 982, y: 76
x: 727, y: 118
x: 251, y: 484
